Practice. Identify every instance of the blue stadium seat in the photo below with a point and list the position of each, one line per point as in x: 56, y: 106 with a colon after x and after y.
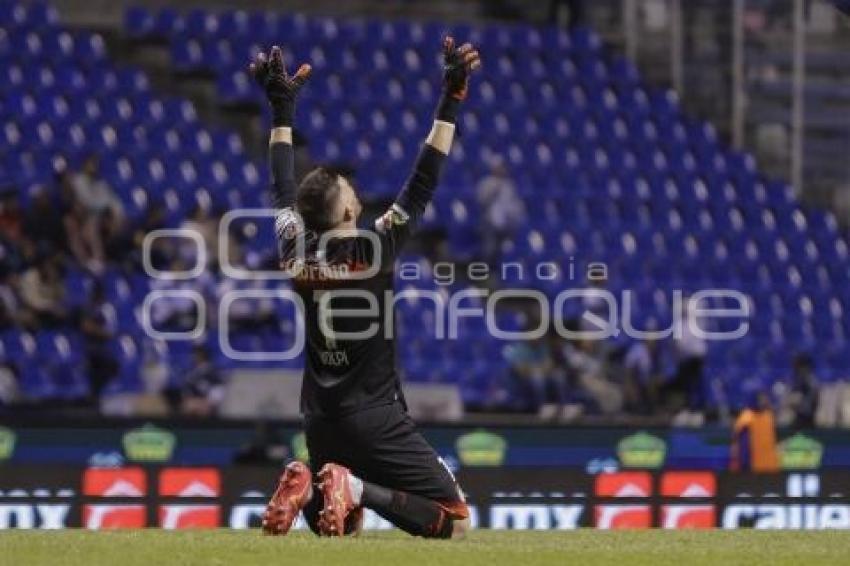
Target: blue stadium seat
x: 609, y: 167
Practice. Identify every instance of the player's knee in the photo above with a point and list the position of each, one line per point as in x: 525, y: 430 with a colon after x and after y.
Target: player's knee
x: 449, y: 528
x: 443, y: 529
x: 460, y: 527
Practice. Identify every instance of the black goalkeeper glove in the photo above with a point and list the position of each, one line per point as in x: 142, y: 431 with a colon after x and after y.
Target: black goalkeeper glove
x: 458, y: 65
x: 281, y: 89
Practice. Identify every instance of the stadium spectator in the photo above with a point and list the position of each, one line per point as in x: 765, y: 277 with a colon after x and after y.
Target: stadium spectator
x: 161, y: 252
x: 799, y: 405
x: 10, y: 392
x: 567, y: 409
x: 685, y: 388
x: 531, y: 366
x: 12, y: 311
x: 542, y: 384
x: 74, y: 221
x: 117, y: 238
x: 8, y: 306
x: 503, y: 211
x: 249, y: 313
x: 96, y: 197
x: 643, y: 370
x: 754, y: 438
x: 155, y: 368
x: 204, y: 389
x: 203, y: 223
x: 179, y: 313
x: 572, y: 11
x: 43, y: 294
x: 11, y: 259
x: 11, y: 224
x: 596, y: 308
x: 98, y: 326
x: 585, y: 360
x: 43, y: 223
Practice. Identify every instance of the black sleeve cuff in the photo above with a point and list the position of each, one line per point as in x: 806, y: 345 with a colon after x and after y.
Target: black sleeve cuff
x: 283, y: 116
x: 448, y: 109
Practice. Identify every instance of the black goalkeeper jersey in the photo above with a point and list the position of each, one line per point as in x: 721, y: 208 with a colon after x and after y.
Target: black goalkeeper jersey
x: 345, y: 283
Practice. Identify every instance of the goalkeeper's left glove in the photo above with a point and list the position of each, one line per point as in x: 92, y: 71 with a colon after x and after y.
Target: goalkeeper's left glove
x: 458, y: 65
x: 280, y: 88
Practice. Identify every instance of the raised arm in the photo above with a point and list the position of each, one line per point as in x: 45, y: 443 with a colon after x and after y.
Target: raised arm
x: 281, y: 91
x: 396, y: 224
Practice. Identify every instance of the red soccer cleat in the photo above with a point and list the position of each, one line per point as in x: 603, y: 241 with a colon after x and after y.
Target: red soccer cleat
x: 338, y: 501
x: 354, y: 522
x: 292, y: 494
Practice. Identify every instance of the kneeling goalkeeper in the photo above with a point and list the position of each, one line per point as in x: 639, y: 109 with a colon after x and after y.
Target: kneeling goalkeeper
x: 362, y: 442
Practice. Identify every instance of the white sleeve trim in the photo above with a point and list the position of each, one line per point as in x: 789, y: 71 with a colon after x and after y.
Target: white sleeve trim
x: 441, y: 137
x: 282, y: 134
x: 395, y: 215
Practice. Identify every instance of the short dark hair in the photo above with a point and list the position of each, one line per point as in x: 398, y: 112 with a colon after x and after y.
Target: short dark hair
x: 316, y: 198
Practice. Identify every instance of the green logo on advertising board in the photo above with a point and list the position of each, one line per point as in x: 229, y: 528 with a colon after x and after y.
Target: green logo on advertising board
x: 800, y: 452
x: 481, y: 448
x: 642, y: 450
x: 299, y: 447
x: 149, y: 444
x: 7, y: 443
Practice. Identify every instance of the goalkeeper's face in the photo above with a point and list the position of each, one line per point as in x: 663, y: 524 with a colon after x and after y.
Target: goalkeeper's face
x: 349, y: 204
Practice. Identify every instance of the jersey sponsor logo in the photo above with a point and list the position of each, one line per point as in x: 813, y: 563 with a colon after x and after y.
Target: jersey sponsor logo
x: 334, y: 358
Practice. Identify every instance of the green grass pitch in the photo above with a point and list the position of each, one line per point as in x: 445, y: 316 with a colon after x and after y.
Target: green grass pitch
x: 487, y: 548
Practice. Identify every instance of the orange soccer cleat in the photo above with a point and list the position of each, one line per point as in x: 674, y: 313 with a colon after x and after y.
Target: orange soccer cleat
x: 338, y: 504
x: 292, y: 494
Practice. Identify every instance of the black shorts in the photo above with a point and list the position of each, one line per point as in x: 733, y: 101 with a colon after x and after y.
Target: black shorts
x: 381, y: 445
